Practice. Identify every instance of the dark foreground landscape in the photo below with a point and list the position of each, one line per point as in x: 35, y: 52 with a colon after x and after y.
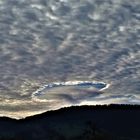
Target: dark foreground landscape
x: 114, y: 122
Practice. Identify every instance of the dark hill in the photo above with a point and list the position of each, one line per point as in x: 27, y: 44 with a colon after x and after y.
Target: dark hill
x: 113, y: 122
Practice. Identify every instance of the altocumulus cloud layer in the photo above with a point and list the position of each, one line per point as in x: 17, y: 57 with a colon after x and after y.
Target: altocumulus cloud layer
x: 54, y: 41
